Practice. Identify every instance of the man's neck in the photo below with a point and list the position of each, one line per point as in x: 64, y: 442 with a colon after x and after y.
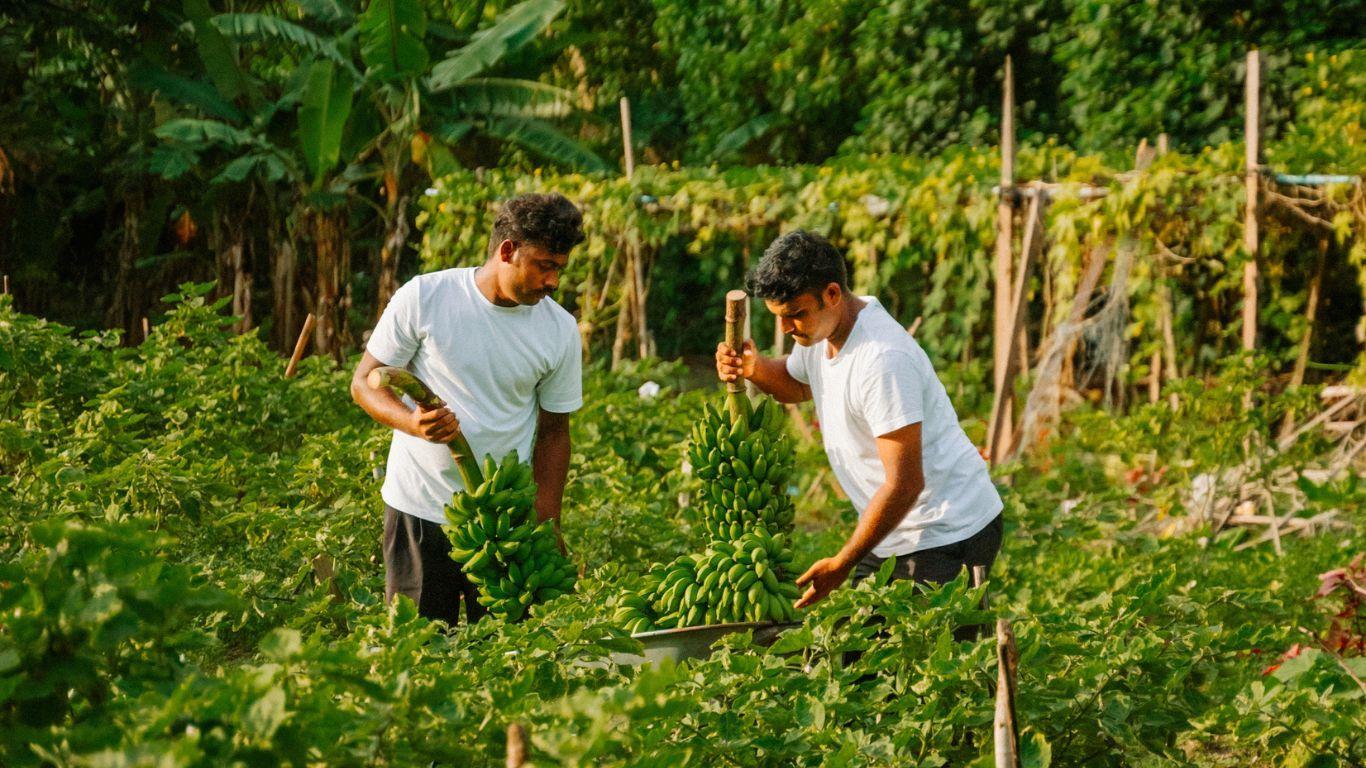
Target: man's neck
x: 486, y: 280
x: 850, y: 307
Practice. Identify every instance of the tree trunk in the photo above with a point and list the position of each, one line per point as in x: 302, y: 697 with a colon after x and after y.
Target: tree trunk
x: 124, y: 304
x: 230, y: 252
x: 395, y: 238
x: 331, y: 265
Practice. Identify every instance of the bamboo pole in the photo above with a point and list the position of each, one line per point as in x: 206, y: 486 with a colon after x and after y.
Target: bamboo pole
x: 299, y: 346
x: 1311, y: 310
x: 642, y: 322
x: 1005, y: 214
x: 630, y: 155
x: 517, y: 746
x: 1252, y: 131
x: 999, y: 436
x: 1005, y: 731
x: 737, y: 302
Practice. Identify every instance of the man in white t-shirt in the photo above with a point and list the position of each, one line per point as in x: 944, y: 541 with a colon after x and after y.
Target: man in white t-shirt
x: 506, y: 361
x: 920, y: 486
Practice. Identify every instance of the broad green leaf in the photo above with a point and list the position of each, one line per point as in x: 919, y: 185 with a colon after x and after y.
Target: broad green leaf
x: 322, y: 116
x: 391, y: 34
x: 542, y: 139
x: 514, y: 28
x: 510, y: 97
x: 184, y: 91
x: 205, y: 132
x: 263, y: 26
x: 792, y: 640
x: 1035, y: 751
x: 739, y: 138
x: 1293, y: 668
x: 266, y: 714
x: 215, y: 51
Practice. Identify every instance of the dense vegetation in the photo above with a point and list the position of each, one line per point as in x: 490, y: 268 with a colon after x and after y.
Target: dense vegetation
x: 280, y: 147
x: 160, y: 605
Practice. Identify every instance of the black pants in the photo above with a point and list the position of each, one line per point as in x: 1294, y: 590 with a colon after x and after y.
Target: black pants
x: 940, y: 565
x: 417, y: 563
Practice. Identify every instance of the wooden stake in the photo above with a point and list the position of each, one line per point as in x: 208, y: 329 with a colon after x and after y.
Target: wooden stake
x: 642, y: 326
x: 516, y: 746
x: 1311, y: 310
x: 1155, y: 377
x: 1310, y: 314
x: 299, y: 346
x: 1161, y: 143
x: 1005, y: 214
x: 1005, y: 731
x: 626, y: 137
x: 325, y: 571
x: 737, y: 302
x: 915, y: 325
x: 1252, y: 131
x: 6, y: 285
x: 999, y: 437
x: 146, y: 329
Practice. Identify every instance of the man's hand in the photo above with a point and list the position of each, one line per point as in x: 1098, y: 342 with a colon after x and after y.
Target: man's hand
x: 731, y: 365
x: 822, y: 578
x: 436, y: 425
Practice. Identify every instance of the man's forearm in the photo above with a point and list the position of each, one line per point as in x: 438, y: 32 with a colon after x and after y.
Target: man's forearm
x: 550, y: 467
x: 886, y: 510
x: 772, y: 378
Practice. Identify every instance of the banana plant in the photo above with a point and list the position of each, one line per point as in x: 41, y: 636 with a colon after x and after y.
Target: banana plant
x: 374, y: 106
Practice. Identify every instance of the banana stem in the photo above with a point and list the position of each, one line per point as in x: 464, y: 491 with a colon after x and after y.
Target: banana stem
x: 401, y: 382
x: 736, y: 399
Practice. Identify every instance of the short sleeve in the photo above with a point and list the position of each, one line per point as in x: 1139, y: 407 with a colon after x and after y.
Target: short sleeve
x: 396, y: 336
x: 796, y: 366
x: 561, y: 391
x: 892, y: 393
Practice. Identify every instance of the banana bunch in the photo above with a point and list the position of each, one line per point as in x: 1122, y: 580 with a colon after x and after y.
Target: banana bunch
x: 731, y: 581
x: 513, y: 560
x: 744, y: 465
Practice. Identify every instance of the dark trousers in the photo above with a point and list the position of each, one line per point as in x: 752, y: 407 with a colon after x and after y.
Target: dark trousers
x: 417, y: 563
x: 940, y: 565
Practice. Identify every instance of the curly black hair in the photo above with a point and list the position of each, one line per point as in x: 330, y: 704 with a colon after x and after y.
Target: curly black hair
x: 796, y: 263
x: 548, y: 221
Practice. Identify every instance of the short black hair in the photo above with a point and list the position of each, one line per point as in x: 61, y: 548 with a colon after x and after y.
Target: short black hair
x: 796, y: 263
x: 548, y: 221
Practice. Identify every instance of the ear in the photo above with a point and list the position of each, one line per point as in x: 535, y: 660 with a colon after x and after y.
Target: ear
x: 506, y: 250
x: 833, y: 294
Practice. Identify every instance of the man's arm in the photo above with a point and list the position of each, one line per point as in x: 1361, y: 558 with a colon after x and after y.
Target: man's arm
x: 768, y: 374
x: 900, y: 454
x: 550, y: 464
x: 437, y: 425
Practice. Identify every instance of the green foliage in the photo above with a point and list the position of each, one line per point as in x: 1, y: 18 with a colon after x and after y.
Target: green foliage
x: 210, y: 641
x: 915, y: 233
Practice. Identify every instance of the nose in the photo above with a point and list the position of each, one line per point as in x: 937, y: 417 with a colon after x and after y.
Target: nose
x: 788, y: 326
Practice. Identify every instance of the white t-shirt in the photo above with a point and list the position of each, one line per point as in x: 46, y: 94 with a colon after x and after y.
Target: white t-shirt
x: 881, y: 381
x: 494, y: 366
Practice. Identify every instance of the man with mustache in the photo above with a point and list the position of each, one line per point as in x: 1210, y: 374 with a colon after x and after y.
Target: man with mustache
x: 921, y: 489
x: 505, y: 360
